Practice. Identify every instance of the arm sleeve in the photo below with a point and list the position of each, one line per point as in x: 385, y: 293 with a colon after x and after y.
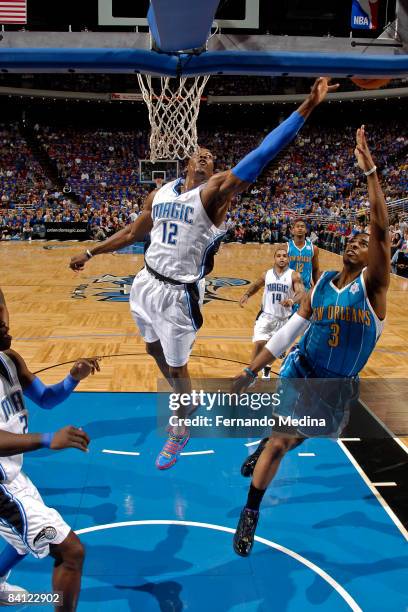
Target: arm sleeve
x: 287, y: 334
x: 252, y: 165
x: 48, y: 397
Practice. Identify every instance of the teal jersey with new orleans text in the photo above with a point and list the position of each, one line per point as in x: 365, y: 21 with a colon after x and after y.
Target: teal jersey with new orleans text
x: 344, y: 328
x: 300, y: 260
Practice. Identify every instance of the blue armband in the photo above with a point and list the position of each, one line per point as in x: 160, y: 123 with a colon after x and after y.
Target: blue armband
x: 46, y: 439
x: 249, y: 168
x: 48, y: 397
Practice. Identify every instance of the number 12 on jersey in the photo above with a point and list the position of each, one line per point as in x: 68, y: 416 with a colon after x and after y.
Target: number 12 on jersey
x: 170, y: 233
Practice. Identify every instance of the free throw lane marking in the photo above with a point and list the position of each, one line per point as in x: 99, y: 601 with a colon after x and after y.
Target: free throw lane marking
x: 118, y: 452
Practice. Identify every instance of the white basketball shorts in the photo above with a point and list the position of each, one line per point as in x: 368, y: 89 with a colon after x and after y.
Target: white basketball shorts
x: 26, y: 522
x: 266, y: 326
x: 165, y: 312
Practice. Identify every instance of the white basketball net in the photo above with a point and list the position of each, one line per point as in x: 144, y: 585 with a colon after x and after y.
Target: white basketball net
x: 173, y: 104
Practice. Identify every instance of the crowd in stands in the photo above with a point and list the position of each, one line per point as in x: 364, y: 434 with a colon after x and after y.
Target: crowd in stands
x: 224, y: 85
x: 315, y: 176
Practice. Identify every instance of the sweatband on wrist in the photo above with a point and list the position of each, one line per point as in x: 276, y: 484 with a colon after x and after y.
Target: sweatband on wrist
x: 371, y: 171
x: 287, y: 334
x: 88, y: 254
x: 46, y: 439
x: 48, y: 397
x: 252, y: 165
x: 250, y: 373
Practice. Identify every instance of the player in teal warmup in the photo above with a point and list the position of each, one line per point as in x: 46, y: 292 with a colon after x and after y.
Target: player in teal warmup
x: 341, y: 319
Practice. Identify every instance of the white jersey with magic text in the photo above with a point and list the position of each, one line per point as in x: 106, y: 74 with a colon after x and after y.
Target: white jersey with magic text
x: 183, y: 238
x: 277, y: 289
x: 13, y: 414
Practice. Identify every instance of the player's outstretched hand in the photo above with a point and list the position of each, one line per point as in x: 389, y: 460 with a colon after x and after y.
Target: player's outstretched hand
x: 78, y: 262
x: 84, y: 367
x: 362, y: 152
x: 241, y: 383
x: 243, y: 300
x: 321, y: 87
x: 70, y: 437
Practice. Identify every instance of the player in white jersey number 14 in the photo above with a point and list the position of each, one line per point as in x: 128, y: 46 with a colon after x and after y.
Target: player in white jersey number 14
x: 283, y: 288
x: 184, y: 219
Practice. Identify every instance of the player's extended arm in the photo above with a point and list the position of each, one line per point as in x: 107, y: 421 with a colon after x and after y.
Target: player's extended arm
x: 4, y: 315
x: 67, y: 437
x: 226, y: 184
x: 52, y: 395
x: 133, y: 232
x: 14, y: 444
x: 298, y: 288
x: 316, y: 273
x: 377, y: 275
x: 252, y: 289
x: 280, y: 342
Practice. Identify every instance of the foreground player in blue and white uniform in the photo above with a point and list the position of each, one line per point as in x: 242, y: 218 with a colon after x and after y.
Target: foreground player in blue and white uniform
x: 185, y: 220
x: 26, y: 524
x: 344, y: 316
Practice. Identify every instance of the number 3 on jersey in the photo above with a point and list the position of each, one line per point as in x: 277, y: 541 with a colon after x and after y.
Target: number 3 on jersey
x: 334, y: 336
x: 170, y: 233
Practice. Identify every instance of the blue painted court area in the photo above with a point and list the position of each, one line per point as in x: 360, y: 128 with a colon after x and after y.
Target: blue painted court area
x: 162, y: 541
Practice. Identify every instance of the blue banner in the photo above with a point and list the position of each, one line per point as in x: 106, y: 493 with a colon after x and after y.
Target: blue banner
x: 364, y: 14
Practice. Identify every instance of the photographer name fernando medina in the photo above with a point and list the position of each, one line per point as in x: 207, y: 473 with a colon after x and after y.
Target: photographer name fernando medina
x: 253, y: 401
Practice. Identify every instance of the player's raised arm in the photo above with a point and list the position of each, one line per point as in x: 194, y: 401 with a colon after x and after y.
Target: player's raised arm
x: 298, y: 288
x: 377, y: 275
x: 130, y: 234
x: 226, y: 184
x: 316, y: 273
x: 252, y: 289
x: 279, y: 343
x: 52, y: 395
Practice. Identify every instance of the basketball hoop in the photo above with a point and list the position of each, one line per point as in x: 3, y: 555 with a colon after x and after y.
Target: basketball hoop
x: 173, y: 105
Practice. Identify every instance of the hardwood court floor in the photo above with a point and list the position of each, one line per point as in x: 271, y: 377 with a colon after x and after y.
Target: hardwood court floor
x: 58, y: 316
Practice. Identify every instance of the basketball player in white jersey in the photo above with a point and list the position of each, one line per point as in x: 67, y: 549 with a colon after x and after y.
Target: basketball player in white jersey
x: 185, y: 221
x: 26, y: 524
x: 283, y: 288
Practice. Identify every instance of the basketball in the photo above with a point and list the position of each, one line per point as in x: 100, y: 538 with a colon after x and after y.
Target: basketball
x: 370, y: 83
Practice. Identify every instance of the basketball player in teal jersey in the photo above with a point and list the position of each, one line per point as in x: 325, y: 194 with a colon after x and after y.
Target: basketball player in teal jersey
x: 303, y: 255
x: 341, y: 319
